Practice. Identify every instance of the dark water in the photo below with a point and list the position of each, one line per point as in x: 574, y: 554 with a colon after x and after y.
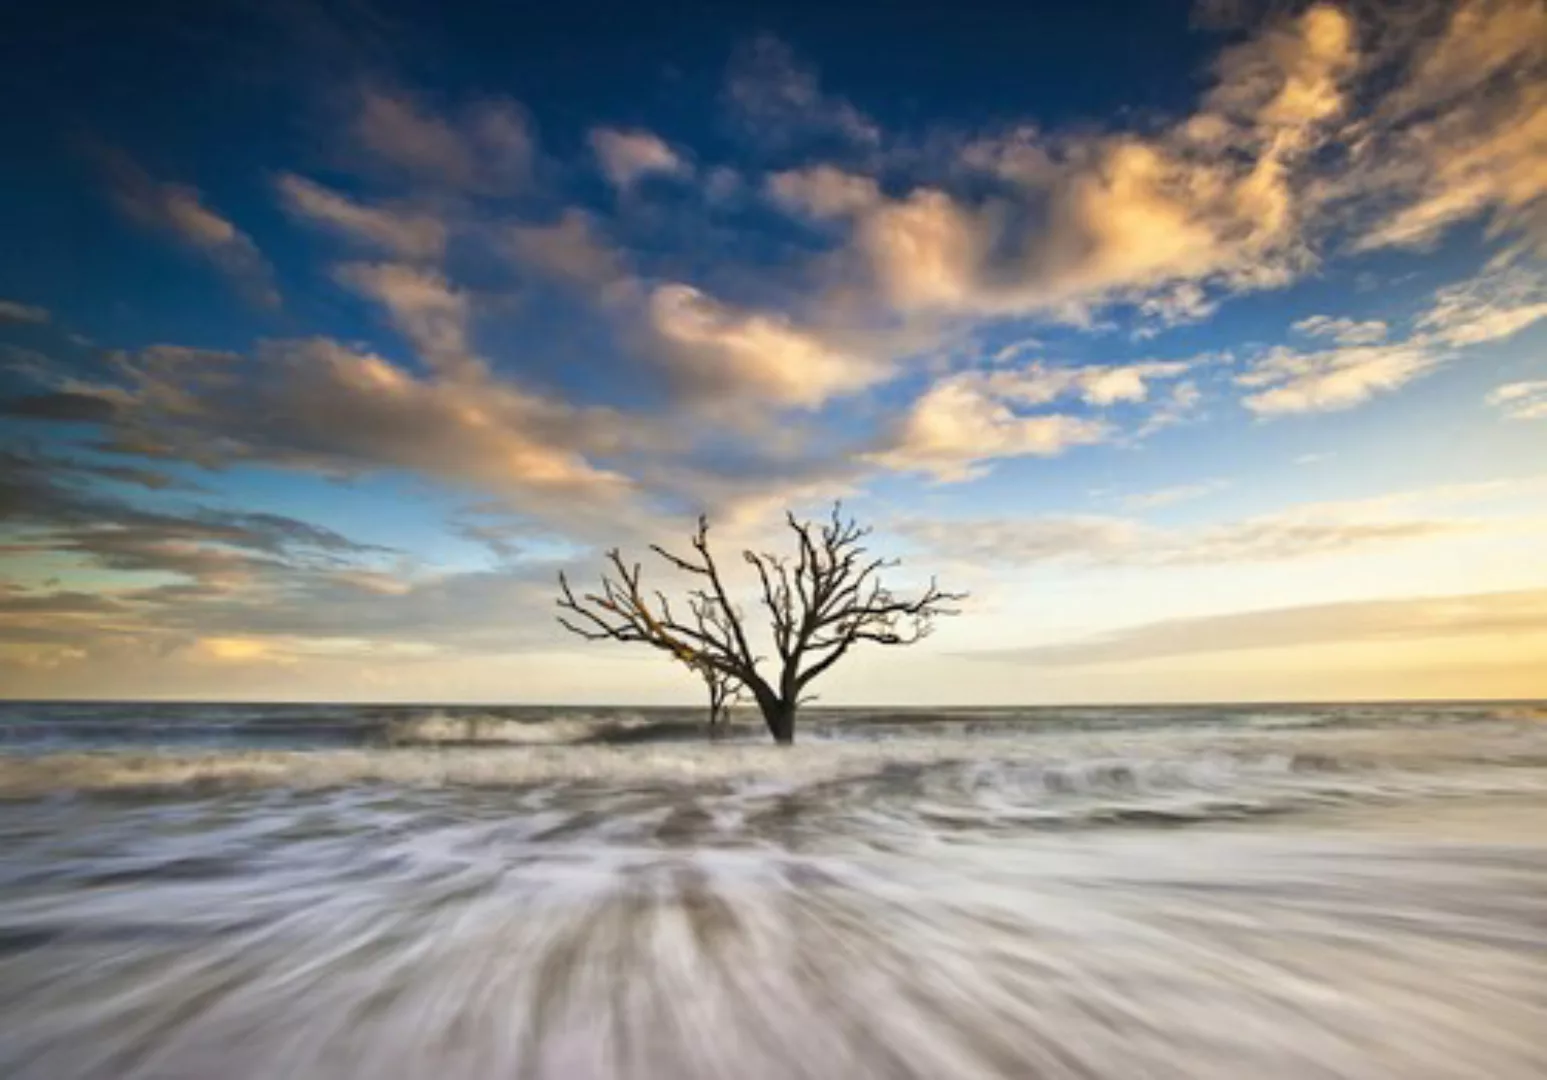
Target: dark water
x: 261, y: 891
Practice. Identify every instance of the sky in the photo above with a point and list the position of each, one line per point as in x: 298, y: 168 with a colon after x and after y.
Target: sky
x: 1204, y: 345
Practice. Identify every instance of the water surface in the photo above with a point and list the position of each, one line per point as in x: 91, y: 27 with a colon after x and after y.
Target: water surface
x: 257, y: 891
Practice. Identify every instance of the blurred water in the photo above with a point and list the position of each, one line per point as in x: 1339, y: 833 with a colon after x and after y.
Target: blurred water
x: 1339, y: 892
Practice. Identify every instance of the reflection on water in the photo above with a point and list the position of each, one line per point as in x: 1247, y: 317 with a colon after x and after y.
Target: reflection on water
x: 1157, y: 905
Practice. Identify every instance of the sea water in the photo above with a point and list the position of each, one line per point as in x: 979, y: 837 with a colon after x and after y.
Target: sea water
x: 198, y: 891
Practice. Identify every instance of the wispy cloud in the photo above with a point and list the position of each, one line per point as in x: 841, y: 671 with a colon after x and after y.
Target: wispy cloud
x: 1109, y: 541
x: 628, y: 156
x: 776, y: 101
x: 1170, y: 496
x: 488, y: 148
x: 1461, y: 134
x: 1309, y: 530
x: 1501, y: 614
x: 410, y: 234
x: 823, y: 191
x: 1187, y: 302
x: 318, y: 405
x: 1494, y: 305
x: 1286, y: 381
x: 423, y: 306
x: 204, y: 584
x: 1499, y: 302
x: 1521, y: 400
x: 572, y: 250
x: 1343, y: 331
x: 179, y: 211
x: 16, y: 312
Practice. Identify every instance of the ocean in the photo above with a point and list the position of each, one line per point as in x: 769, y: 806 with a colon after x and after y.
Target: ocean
x: 244, y: 891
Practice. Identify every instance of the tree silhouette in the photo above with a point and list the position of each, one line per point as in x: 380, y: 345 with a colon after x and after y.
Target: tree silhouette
x: 821, y: 604
x: 724, y: 691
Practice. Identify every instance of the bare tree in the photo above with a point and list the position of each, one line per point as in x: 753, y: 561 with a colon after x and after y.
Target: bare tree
x: 821, y: 604
x: 724, y: 691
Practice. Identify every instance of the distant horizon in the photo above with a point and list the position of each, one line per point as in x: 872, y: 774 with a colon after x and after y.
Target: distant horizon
x: 750, y: 710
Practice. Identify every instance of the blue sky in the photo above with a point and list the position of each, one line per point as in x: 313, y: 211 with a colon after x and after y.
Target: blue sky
x: 1203, y: 344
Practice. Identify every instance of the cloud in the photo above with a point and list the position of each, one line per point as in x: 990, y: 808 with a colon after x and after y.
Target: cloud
x: 1113, y: 541
x: 1414, y: 618
x: 50, y: 505
x: 1088, y: 219
x: 569, y: 250
x: 1343, y: 331
x: 326, y: 634
x: 208, y: 584
x: 1170, y: 496
x: 63, y: 406
x: 779, y: 103
x: 1464, y: 132
x: 1495, y: 305
x: 423, y: 306
x: 1185, y: 303
x: 136, y: 476
x: 923, y: 251
x: 628, y: 156
x: 1287, y: 381
x: 1094, y: 384
x: 1301, y: 139
x: 718, y: 351
x: 1280, y: 537
x: 1500, y: 302
x: 1178, y: 407
x: 407, y: 234
x: 487, y: 149
x: 237, y: 650
x: 318, y: 405
x: 179, y: 211
x: 13, y: 311
x: 964, y: 422
x: 1522, y: 400
x: 1309, y: 530
x: 1000, y: 542
x: 823, y: 191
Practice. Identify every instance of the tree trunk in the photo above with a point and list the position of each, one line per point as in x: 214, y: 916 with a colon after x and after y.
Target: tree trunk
x: 780, y: 718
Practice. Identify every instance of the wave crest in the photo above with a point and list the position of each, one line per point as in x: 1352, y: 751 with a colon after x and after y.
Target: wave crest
x: 473, y: 729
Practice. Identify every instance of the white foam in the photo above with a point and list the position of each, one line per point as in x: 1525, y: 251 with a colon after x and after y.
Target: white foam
x: 461, y: 947
x: 462, y: 728
x: 1059, y: 762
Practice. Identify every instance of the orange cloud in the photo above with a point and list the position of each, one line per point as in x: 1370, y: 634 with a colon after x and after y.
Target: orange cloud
x: 1117, y: 216
x: 715, y: 349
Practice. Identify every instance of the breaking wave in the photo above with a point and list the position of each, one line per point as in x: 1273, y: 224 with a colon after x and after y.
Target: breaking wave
x: 33, y: 727
x: 1048, y: 779
x: 439, y: 728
